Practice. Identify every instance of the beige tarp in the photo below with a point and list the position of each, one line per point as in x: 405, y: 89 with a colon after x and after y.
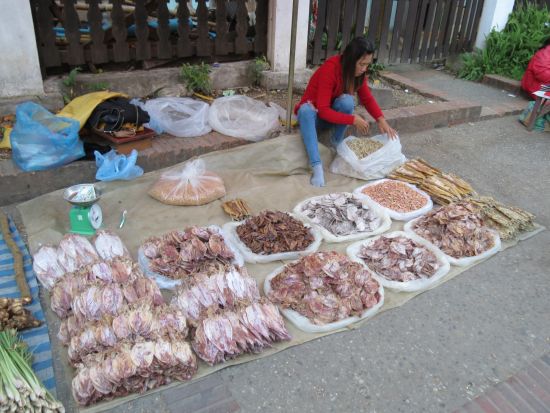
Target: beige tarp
x: 269, y: 175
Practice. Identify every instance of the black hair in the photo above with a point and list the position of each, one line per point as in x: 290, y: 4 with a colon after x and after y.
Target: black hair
x: 355, y: 50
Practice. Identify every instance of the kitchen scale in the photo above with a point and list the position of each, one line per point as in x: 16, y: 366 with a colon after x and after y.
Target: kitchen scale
x: 85, y: 216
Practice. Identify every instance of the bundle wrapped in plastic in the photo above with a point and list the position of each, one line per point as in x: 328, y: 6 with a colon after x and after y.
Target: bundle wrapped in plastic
x: 223, y: 287
x: 74, y: 252
x: 109, y: 245
x: 226, y: 334
x: 192, y: 185
x: 46, y: 267
x: 132, y: 368
x: 119, y: 270
x: 140, y: 320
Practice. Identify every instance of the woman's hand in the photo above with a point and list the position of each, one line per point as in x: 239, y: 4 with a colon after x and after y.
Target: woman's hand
x: 361, y: 124
x: 384, y: 127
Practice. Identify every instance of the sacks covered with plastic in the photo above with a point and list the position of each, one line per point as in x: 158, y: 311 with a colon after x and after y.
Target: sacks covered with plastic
x: 112, y: 166
x: 374, y: 166
x: 42, y: 141
x: 181, y: 117
x: 190, y: 185
x: 243, y: 117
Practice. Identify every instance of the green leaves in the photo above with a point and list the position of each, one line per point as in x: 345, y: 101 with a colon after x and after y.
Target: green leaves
x: 508, y: 52
x: 196, y: 78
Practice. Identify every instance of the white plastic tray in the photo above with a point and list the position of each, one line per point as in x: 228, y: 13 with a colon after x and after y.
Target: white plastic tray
x: 385, y: 222
x: 465, y: 261
x: 398, y: 216
x: 303, y: 323
x: 408, y: 286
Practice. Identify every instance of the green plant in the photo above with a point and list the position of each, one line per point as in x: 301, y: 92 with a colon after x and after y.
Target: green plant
x: 374, y: 70
x: 508, y: 52
x: 257, y: 67
x: 70, y: 82
x: 94, y: 87
x: 197, y: 78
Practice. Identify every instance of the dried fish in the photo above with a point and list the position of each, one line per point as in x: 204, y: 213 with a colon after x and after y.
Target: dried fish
x: 325, y: 287
x: 395, y: 195
x: 272, y: 232
x: 237, y: 209
x: 341, y: 214
x: 399, y: 259
x: 363, y: 147
x: 456, y: 229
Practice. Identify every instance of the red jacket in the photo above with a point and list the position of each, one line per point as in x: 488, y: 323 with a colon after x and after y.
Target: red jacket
x: 538, y: 71
x: 327, y: 84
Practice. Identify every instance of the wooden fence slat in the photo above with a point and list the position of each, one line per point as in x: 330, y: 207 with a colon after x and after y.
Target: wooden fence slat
x: 184, y: 47
x: 46, y: 37
x: 71, y: 23
x: 475, y: 29
x: 436, y: 27
x: 164, y: 45
x: 220, y: 45
x: 97, y: 48
x: 203, y: 42
x: 420, y: 30
x: 449, y: 33
x: 442, y: 30
x: 469, y: 27
x: 241, y: 42
x: 459, y: 26
x: 260, y: 38
x: 361, y: 17
x: 374, y: 20
x: 410, y: 28
x: 121, y: 52
x: 397, y: 30
x: 349, y: 11
x: 383, y: 50
x: 333, y: 19
x: 143, y: 51
x: 467, y: 19
x: 428, y: 30
x: 318, y: 54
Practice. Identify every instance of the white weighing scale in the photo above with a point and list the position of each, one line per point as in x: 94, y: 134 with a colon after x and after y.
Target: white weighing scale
x: 85, y: 216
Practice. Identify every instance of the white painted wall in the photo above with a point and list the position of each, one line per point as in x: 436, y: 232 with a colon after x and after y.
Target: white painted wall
x: 494, y: 15
x: 19, y: 65
x: 278, y: 34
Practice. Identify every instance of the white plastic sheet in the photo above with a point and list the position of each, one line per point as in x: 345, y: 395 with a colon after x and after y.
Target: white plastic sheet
x: 243, y: 117
x: 409, y: 286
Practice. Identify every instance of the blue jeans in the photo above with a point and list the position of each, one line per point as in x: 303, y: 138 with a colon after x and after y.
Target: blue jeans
x: 309, y: 122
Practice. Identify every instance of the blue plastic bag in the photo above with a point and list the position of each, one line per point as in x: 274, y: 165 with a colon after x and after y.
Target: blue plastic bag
x: 113, y: 166
x: 41, y: 140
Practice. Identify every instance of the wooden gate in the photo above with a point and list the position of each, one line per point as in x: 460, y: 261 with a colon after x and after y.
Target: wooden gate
x: 405, y: 31
x: 74, y: 33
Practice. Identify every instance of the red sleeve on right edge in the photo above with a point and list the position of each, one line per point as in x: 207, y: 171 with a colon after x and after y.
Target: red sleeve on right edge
x: 366, y: 98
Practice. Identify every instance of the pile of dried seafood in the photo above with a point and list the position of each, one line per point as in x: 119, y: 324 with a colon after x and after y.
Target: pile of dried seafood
x: 509, y: 221
x: 456, y: 229
x: 443, y: 188
x: 399, y: 259
x: 237, y: 209
x: 180, y: 253
x: 272, y: 232
x: 396, y: 196
x: 341, y: 214
x: 363, y: 147
x: 325, y: 287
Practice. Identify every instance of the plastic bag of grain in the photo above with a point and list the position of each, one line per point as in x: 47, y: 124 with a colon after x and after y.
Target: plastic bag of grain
x: 190, y: 185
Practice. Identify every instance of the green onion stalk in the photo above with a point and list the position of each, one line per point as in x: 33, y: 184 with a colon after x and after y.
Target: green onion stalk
x: 20, y: 389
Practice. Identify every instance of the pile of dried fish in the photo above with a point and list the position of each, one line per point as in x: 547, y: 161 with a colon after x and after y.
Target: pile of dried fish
x: 272, y: 232
x: 180, y: 253
x: 141, y: 320
x: 325, y: 287
x: 14, y: 316
x: 341, y: 214
x: 363, y: 147
x: 237, y: 209
x: 133, y: 368
x: 444, y: 188
x: 399, y: 259
x: 456, y: 229
x: 396, y: 196
x: 223, y: 287
x: 509, y: 221
x: 223, y: 335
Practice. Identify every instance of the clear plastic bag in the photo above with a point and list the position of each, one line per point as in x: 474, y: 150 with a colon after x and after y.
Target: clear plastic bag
x: 243, y: 117
x: 113, y: 166
x: 377, y: 165
x: 41, y: 140
x: 181, y: 117
x: 190, y: 185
